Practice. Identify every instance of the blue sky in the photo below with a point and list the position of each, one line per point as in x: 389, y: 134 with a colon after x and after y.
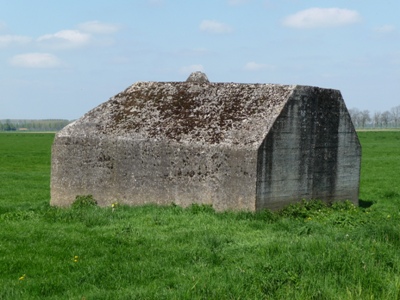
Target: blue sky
x: 59, y: 59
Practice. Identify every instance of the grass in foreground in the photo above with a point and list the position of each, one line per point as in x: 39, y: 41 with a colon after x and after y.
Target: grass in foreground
x: 307, y: 251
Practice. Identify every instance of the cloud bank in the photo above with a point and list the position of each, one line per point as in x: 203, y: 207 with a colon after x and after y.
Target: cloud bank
x: 65, y: 39
x: 35, y: 60
x: 322, y: 18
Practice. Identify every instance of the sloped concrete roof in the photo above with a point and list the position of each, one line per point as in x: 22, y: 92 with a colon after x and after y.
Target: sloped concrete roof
x: 187, y: 112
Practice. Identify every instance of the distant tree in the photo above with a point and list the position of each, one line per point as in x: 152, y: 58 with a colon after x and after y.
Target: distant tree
x: 377, y: 122
x: 385, y: 118
x: 364, y: 118
x: 34, y: 125
x: 9, y: 126
x: 395, y: 115
x: 355, y: 116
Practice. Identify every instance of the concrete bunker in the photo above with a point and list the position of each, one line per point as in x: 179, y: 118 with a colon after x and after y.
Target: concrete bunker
x: 234, y: 146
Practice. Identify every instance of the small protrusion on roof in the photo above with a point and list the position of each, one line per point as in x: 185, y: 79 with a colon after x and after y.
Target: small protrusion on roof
x: 198, y: 77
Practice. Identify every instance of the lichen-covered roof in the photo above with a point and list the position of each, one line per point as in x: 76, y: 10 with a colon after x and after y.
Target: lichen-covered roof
x: 187, y: 112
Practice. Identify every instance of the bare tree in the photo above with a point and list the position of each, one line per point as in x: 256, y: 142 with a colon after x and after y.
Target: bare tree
x: 385, y: 118
x: 395, y: 114
x: 377, y: 119
x: 355, y: 116
x: 364, y: 118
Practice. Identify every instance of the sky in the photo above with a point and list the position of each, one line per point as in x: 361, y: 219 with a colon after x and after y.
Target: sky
x: 59, y: 59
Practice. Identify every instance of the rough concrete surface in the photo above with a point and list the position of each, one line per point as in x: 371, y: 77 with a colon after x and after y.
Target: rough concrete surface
x: 235, y: 146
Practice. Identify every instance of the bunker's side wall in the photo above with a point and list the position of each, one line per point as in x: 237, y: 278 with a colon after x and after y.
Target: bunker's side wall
x: 137, y: 172
x: 311, y: 152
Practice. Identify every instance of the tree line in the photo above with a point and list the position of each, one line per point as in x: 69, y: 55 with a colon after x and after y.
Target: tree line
x: 33, y: 125
x: 387, y: 119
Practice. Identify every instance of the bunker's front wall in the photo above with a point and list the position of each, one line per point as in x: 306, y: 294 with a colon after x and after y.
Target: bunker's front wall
x: 139, y: 172
x: 312, y: 152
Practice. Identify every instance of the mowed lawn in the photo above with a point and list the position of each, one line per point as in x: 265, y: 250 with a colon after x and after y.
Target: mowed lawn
x: 306, y: 251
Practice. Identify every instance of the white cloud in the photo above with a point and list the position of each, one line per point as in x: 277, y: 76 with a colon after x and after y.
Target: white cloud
x: 322, y: 17
x: 7, y: 40
x: 65, y: 39
x: 35, y: 60
x: 191, y: 68
x: 97, y: 27
x: 385, y: 29
x: 214, y: 27
x: 253, y: 66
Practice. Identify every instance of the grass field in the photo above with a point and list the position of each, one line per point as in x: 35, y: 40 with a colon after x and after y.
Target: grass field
x: 306, y: 251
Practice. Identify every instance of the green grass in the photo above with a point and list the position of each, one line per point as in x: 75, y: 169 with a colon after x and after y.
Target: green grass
x: 380, y: 165
x: 24, y: 169
x: 306, y: 251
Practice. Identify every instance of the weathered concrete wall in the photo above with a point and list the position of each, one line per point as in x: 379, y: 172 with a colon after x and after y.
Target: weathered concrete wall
x: 138, y: 172
x: 311, y: 152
